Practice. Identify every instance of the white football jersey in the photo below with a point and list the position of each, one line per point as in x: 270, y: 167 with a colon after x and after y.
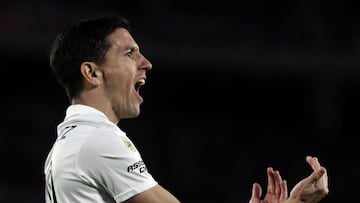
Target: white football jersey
x: 93, y: 161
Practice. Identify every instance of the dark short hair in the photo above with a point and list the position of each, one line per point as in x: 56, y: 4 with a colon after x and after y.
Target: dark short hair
x: 85, y: 40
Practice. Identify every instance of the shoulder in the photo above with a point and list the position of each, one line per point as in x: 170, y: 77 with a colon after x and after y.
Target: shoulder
x: 107, y: 155
x: 101, y: 140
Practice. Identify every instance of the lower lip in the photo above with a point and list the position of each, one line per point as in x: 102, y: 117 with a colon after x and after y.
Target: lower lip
x: 140, y: 99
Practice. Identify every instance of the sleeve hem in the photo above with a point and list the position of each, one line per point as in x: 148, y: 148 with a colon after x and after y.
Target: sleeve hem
x: 134, y: 191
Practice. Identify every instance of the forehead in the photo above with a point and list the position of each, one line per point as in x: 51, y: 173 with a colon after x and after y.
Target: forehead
x: 121, y: 38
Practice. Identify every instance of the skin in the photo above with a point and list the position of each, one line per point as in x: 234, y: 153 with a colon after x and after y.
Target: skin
x: 311, y: 189
x: 277, y: 190
x: 110, y: 88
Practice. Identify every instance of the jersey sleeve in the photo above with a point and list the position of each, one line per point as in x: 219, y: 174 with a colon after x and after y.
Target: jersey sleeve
x: 112, y: 163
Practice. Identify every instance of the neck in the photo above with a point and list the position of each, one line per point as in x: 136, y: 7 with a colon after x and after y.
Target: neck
x: 99, y: 102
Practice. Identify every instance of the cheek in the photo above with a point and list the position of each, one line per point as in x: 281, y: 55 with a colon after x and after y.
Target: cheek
x: 119, y: 82
x: 121, y: 85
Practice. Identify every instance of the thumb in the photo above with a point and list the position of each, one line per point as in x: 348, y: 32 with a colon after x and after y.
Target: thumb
x: 315, y: 176
x: 256, y: 191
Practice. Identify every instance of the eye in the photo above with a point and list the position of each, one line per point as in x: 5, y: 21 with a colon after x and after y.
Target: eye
x: 130, y: 51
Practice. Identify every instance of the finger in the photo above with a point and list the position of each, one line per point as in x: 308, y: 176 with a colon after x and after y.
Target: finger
x: 271, y: 181
x: 256, y: 191
x: 315, y: 176
x: 315, y: 165
x: 284, y: 190
x: 313, y: 162
x: 277, y: 183
x: 323, y: 180
x: 319, y: 179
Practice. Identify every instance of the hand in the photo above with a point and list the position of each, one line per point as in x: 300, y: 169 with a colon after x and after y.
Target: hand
x: 277, y: 190
x: 313, y: 188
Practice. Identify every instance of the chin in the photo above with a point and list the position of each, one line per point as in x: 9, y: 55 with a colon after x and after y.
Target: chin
x: 135, y: 113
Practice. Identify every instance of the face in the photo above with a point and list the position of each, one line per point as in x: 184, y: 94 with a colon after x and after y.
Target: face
x: 124, y: 71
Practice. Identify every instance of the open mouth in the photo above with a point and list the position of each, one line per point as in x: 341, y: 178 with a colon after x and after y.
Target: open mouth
x: 139, y: 83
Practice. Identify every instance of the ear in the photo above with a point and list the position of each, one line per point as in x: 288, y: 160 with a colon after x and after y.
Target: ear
x: 91, y: 73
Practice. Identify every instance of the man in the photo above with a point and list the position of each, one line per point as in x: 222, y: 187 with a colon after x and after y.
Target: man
x: 102, y: 70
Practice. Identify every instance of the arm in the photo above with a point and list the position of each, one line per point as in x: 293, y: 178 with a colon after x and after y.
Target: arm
x: 156, y: 194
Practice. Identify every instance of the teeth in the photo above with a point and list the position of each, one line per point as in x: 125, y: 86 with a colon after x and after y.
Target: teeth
x: 141, y: 82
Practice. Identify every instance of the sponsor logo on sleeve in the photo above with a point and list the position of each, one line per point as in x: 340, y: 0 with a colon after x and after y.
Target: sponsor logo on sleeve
x: 137, y: 167
x: 129, y: 145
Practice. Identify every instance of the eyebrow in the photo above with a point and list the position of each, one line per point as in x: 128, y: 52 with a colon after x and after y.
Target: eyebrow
x: 134, y: 48
x: 131, y: 48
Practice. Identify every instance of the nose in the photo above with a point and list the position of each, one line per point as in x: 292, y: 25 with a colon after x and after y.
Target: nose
x: 145, y: 64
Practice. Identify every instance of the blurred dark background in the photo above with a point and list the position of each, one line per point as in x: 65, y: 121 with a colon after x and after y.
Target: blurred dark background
x: 235, y: 88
